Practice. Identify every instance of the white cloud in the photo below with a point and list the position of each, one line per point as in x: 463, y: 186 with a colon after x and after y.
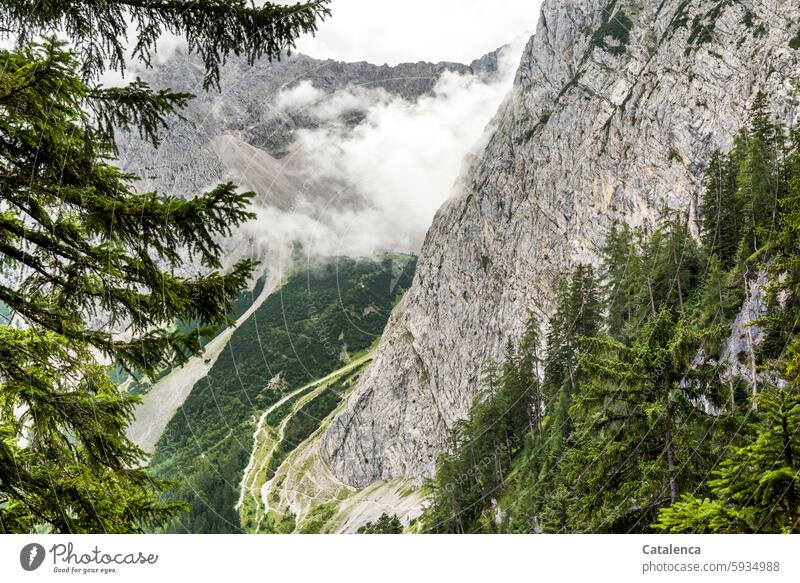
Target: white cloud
x: 401, y: 159
x: 302, y: 95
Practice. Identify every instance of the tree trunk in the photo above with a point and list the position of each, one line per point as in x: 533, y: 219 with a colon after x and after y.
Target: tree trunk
x: 673, y: 481
x: 754, y: 376
x: 650, y: 292
x: 733, y: 394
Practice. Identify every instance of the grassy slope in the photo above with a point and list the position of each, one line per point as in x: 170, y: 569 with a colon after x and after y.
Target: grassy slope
x: 281, y: 430
x: 303, y: 331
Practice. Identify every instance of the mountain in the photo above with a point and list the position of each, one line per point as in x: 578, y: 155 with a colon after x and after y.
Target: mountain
x: 255, y: 381
x: 287, y: 130
x: 616, y: 108
x: 247, y: 135
x: 244, y: 129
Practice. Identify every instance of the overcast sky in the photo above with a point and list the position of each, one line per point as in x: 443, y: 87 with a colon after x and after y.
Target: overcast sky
x: 392, y: 31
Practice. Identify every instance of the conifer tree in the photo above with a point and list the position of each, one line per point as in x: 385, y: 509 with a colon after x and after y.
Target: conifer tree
x: 760, y: 180
x: 577, y: 313
x: 757, y: 488
x: 622, y: 275
x: 719, y: 299
x: 91, y: 267
x: 638, y: 425
x: 213, y: 29
x: 556, y: 359
x: 672, y: 267
x: 719, y: 210
x: 529, y: 392
x: 539, y: 471
x: 93, y: 258
x: 783, y: 316
x: 385, y: 524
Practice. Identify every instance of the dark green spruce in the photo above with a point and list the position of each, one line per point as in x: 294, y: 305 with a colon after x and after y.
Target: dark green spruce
x: 83, y: 253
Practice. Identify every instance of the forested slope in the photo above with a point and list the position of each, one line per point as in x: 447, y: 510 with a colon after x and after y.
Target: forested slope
x: 641, y: 411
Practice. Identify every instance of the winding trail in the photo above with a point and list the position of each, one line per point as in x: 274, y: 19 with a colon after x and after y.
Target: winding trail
x: 249, y: 483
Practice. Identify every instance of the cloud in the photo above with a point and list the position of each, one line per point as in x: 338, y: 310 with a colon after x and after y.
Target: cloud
x: 383, y: 31
x: 301, y: 96
x: 314, y: 103
x: 378, y: 166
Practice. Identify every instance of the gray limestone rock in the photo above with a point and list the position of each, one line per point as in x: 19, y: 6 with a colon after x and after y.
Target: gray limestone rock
x: 611, y: 118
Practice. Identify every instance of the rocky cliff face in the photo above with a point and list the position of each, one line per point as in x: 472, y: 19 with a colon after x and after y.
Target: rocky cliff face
x: 615, y: 110
x: 221, y: 133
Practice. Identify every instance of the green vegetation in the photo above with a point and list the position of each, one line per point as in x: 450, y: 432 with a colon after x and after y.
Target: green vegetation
x: 702, y: 29
x: 89, y: 247
x: 794, y: 42
x: 527, y: 135
x: 482, y: 447
x: 279, y: 523
x: 384, y: 525
x: 757, y: 488
x: 743, y: 194
x: 296, y: 471
x: 681, y: 17
x: 317, y: 517
x: 747, y: 19
x: 279, y: 413
x: 300, y: 333
x: 616, y: 25
x: 304, y: 423
x: 637, y: 424
x: 242, y: 303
